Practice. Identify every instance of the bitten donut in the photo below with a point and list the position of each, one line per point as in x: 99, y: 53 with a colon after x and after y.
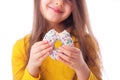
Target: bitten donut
x: 63, y: 38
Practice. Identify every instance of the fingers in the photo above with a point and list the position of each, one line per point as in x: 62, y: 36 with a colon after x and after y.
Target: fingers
x: 68, y: 54
x: 40, y: 49
x: 44, y: 56
x: 40, y: 46
x: 64, y: 58
x: 37, y: 44
x: 69, y: 51
x: 71, y: 56
x: 44, y: 52
x: 72, y: 49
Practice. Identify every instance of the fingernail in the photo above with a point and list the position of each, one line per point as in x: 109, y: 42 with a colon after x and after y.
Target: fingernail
x: 59, y: 50
x: 51, y: 47
x: 63, y: 46
x: 45, y: 40
x: 60, y: 47
x: 50, y: 44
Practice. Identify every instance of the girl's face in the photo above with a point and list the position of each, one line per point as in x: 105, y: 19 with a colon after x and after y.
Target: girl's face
x: 55, y: 11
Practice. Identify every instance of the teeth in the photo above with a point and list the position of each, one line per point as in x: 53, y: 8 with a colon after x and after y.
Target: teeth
x: 52, y: 36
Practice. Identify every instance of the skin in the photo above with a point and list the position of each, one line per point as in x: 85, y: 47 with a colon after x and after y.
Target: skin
x: 55, y: 11
x: 71, y: 56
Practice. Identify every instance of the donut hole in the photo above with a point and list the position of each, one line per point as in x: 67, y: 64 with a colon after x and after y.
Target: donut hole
x: 57, y: 44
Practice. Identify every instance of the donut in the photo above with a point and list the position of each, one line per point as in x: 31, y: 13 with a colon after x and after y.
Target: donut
x: 63, y: 38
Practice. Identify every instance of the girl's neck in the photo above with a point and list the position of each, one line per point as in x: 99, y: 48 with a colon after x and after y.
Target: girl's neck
x: 57, y: 27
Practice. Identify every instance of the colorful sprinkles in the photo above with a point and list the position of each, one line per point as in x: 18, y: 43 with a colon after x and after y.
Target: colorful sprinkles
x: 65, y: 38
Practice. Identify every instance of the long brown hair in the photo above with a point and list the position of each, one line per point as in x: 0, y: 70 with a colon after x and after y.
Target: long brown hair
x: 80, y: 24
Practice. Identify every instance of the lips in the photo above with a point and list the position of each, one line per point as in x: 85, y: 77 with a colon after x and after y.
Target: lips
x: 55, y: 9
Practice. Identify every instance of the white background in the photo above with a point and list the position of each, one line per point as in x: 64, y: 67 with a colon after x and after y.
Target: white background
x: 16, y: 21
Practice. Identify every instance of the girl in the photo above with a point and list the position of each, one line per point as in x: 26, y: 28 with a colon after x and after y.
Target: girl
x: 30, y: 56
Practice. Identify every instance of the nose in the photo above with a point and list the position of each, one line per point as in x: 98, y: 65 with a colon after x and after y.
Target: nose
x: 60, y: 3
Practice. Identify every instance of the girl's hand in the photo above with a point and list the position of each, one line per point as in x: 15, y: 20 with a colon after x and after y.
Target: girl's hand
x: 39, y: 51
x: 71, y: 56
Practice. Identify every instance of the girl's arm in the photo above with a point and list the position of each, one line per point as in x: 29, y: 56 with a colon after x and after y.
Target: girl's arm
x: 24, y: 68
x: 19, y: 61
x: 85, y: 74
x: 73, y: 58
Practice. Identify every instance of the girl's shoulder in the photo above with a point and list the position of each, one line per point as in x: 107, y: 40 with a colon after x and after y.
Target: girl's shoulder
x: 24, y: 40
x: 20, y: 48
x: 22, y: 43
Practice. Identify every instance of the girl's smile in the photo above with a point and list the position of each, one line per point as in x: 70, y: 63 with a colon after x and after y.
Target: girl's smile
x: 55, y: 11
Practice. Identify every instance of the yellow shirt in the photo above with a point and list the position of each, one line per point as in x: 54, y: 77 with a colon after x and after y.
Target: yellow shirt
x: 50, y: 69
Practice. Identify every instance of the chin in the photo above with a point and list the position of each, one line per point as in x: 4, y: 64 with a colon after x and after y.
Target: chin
x: 54, y: 21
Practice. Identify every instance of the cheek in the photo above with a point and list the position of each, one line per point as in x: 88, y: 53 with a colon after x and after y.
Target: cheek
x: 42, y: 6
x: 69, y: 7
x: 69, y: 10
